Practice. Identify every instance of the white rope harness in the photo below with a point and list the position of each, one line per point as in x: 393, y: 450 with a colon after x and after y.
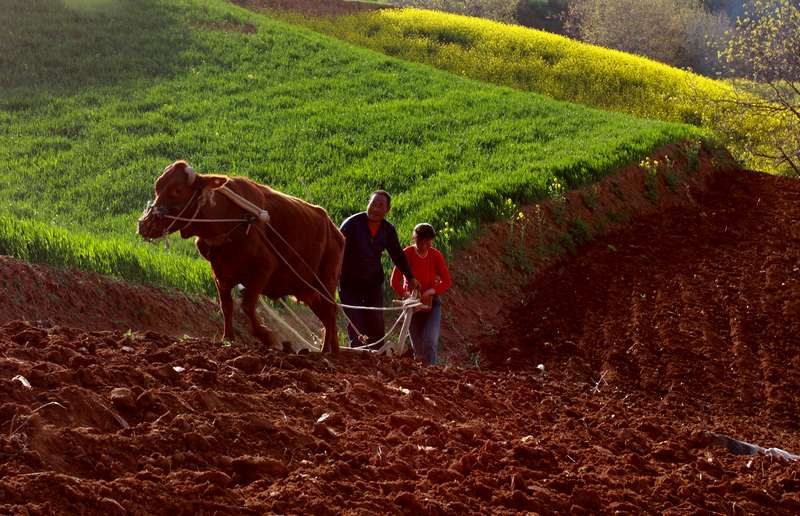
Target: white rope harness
x: 184, y: 219
x: 302, y: 323
x: 406, y: 308
x: 313, y: 346
x: 394, y: 349
x: 261, y: 214
x: 377, y: 308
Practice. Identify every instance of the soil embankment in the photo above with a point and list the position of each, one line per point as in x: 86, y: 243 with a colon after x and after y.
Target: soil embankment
x: 494, y: 274
x: 51, y: 296
x: 697, y: 304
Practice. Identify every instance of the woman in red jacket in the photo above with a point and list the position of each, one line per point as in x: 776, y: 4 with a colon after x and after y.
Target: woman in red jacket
x: 428, y: 266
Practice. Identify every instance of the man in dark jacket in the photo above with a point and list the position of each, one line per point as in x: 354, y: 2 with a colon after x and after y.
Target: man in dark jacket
x: 367, y: 235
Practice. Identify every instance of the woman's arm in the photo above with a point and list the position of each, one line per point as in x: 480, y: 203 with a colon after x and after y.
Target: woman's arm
x: 396, y: 252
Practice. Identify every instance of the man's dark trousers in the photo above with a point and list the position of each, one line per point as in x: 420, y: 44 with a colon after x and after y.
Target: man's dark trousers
x: 368, y: 322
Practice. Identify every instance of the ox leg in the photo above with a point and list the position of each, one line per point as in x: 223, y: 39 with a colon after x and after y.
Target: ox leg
x: 329, y: 271
x: 326, y: 313
x: 226, y: 305
x: 262, y: 333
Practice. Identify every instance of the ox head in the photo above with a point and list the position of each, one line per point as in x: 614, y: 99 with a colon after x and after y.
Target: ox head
x: 177, y: 194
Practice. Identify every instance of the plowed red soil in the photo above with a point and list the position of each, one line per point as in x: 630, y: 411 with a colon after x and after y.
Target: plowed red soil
x: 697, y: 305
x: 109, y: 426
x: 679, y: 323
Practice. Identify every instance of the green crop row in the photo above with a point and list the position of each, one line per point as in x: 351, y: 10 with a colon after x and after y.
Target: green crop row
x: 39, y: 242
x: 97, y: 97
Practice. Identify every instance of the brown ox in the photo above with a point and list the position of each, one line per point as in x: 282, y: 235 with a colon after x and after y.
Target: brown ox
x: 242, y: 252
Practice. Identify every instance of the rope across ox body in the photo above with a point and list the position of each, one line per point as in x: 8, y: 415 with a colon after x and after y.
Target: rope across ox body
x: 261, y: 215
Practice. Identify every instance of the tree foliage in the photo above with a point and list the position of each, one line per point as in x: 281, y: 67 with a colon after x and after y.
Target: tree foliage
x: 763, y: 50
x: 765, y: 44
x: 498, y: 10
x: 543, y: 14
x: 674, y: 32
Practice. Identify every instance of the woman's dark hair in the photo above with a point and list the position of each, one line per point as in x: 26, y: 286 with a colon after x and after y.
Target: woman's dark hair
x: 385, y: 194
x: 424, y: 231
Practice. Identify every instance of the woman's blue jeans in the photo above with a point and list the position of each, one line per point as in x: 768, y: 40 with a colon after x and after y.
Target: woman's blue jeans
x: 424, y: 332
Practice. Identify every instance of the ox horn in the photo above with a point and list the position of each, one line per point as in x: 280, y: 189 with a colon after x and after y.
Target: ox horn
x: 191, y: 175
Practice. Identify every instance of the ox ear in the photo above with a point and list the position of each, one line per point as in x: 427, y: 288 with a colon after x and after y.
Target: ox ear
x: 191, y: 175
x: 210, y: 181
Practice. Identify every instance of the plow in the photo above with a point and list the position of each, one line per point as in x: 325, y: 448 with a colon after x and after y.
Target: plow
x: 384, y: 346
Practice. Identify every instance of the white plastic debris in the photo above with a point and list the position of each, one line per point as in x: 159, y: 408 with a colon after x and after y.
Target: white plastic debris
x: 24, y: 381
x: 399, y: 389
x: 777, y: 453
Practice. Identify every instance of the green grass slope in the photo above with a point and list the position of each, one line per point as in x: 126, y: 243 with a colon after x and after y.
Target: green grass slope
x: 97, y: 96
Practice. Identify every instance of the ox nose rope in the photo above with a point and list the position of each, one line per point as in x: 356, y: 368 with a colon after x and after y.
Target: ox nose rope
x: 157, y: 211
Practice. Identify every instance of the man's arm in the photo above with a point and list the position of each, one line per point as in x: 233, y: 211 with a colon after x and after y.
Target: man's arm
x: 397, y: 282
x: 396, y: 253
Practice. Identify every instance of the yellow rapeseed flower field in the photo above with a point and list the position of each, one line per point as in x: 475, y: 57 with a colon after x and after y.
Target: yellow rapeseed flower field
x: 532, y: 60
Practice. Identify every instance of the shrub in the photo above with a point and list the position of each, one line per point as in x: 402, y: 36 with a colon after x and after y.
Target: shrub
x: 498, y: 10
x: 674, y: 32
x: 764, y: 49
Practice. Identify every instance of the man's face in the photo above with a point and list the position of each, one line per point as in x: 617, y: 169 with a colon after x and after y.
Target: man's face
x: 377, y: 208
